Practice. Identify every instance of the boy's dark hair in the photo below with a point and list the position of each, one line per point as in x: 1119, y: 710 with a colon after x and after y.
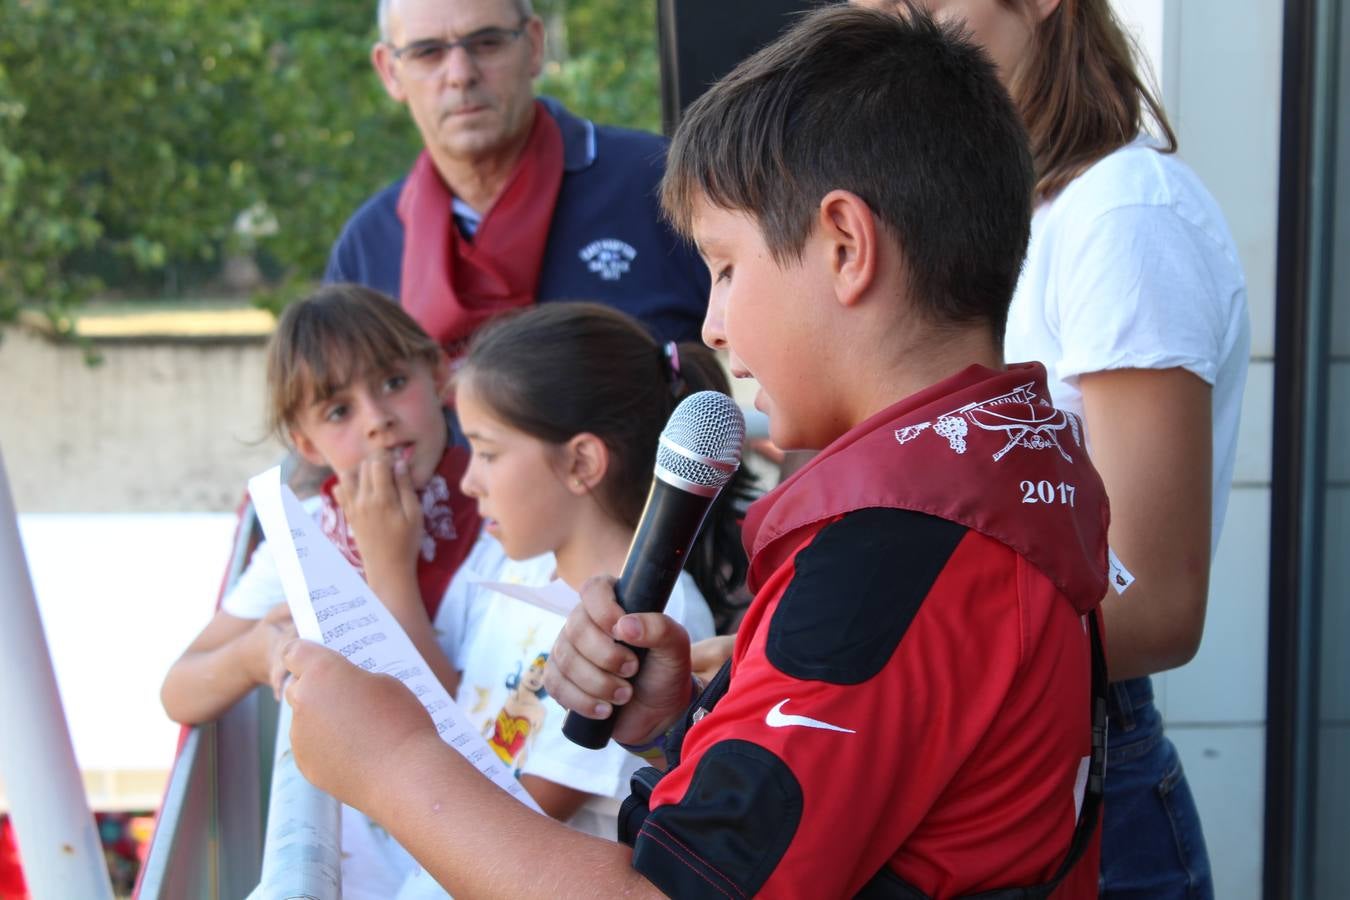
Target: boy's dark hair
x: 332, y: 336
x: 560, y: 369
x: 903, y: 112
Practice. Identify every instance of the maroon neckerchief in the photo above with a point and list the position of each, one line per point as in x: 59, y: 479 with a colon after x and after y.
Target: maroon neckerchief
x: 984, y: 449
x: 452, y: 285
x: 450, y: 519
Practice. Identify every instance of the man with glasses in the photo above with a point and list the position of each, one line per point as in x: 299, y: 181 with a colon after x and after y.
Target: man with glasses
x: 513, y: 199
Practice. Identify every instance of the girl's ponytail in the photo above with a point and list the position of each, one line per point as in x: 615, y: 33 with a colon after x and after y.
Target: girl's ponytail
x: 717, y: 563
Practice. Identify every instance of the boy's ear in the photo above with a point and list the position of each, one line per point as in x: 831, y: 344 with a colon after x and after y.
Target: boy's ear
x: 587, y: 462
x: 305, y: 447
x: 849, y: 231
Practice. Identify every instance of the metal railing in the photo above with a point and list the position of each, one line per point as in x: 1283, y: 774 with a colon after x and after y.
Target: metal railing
x: 209, y: 832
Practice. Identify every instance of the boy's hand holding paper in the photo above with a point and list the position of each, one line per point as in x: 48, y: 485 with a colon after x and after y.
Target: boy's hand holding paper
x: 340, y: 747
x: 336, y: 730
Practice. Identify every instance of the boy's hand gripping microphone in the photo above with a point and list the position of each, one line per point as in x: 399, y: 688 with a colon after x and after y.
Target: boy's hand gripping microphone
x: 699, y: 452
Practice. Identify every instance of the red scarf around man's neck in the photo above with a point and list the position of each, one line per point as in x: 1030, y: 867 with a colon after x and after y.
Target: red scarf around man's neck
x: 452, y: 285
x: 450, y: 520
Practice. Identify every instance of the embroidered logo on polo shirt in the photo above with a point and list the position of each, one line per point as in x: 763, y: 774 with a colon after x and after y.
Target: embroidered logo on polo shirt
x: 776, y: 718
x: 609, y: 258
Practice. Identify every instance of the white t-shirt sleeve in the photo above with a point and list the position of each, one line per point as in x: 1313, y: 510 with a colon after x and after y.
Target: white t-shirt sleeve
x: 452, y: 617
x: 258, y: 587
x: 1137, y: 289
x: 462, y: 604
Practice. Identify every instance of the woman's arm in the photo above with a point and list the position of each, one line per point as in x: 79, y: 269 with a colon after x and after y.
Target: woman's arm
x: 226, y: 661
x: 1151, y: 439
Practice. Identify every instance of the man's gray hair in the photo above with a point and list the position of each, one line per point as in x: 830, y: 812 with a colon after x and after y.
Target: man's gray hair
x: 382, y: 13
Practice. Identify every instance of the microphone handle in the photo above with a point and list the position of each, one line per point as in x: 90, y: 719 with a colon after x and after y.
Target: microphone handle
x: 666, y: 532
x: 595, y: 734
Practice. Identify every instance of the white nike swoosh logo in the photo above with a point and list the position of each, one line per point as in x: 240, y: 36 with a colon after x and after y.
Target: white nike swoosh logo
x: 776, y: 718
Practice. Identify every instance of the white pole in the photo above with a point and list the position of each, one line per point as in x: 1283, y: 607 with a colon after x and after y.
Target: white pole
x: 58, y: 843
x: 302, y: 852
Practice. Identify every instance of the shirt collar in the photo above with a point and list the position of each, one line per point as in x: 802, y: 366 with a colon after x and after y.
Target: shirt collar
x: 578, y: 136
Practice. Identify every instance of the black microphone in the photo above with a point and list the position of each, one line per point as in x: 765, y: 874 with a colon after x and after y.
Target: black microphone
x: 699, y: 452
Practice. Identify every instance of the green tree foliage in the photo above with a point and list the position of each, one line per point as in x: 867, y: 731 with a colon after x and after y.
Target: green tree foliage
x: 135, y: 137
x: 603, y: 59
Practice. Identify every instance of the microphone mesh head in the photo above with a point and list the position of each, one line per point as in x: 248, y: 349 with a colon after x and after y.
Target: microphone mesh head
x: 701, y: 443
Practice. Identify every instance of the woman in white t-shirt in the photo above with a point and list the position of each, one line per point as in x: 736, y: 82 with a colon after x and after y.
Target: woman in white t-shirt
x: 1133, y: 297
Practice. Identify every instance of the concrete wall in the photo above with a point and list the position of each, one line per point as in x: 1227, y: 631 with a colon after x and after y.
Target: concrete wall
x: 1219, y: 66
x: 126, y: 476
x: 160, y: 426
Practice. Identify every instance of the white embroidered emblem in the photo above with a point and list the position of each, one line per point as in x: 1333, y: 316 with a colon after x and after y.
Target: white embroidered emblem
x: 438, y: 523
x: 437, y: 517
x: 609, y: 258
x: 1026, y: 419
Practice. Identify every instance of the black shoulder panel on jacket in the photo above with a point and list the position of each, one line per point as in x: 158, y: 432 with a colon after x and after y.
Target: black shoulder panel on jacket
x: 854, y: 592
x: 729, y: 831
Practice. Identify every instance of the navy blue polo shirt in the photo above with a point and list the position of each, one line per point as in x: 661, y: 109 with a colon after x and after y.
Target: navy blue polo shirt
x: 607, y: 242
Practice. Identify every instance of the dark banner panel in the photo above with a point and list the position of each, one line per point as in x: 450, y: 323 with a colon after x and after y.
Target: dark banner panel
x: 702, y: 40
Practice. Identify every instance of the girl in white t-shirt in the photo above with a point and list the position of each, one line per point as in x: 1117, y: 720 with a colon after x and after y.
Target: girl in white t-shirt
x: 563, y: 406
x: 354, y: 385
x: 1134, y: 298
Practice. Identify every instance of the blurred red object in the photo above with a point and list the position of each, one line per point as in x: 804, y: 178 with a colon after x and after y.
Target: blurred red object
x: 12, y: 885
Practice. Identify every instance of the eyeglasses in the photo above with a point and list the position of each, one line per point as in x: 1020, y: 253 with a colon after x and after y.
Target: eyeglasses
x: 423, y: 59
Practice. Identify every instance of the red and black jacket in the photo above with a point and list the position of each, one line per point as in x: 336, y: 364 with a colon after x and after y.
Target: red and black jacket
x: 908, y: 708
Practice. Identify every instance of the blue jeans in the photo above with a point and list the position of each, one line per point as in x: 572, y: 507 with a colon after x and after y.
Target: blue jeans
x: 1152, y: 844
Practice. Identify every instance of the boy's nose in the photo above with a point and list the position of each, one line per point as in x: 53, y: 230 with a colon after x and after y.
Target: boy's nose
x: 714, y: 329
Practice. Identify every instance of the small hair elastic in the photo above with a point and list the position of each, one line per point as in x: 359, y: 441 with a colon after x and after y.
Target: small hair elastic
x: 671, y: 353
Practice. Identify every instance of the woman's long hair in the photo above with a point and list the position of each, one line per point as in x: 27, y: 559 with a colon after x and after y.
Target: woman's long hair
x: 1081, y: 94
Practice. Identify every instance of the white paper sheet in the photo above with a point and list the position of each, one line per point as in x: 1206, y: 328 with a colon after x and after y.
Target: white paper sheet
x: 556, y: 596
x: 331, y: 604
